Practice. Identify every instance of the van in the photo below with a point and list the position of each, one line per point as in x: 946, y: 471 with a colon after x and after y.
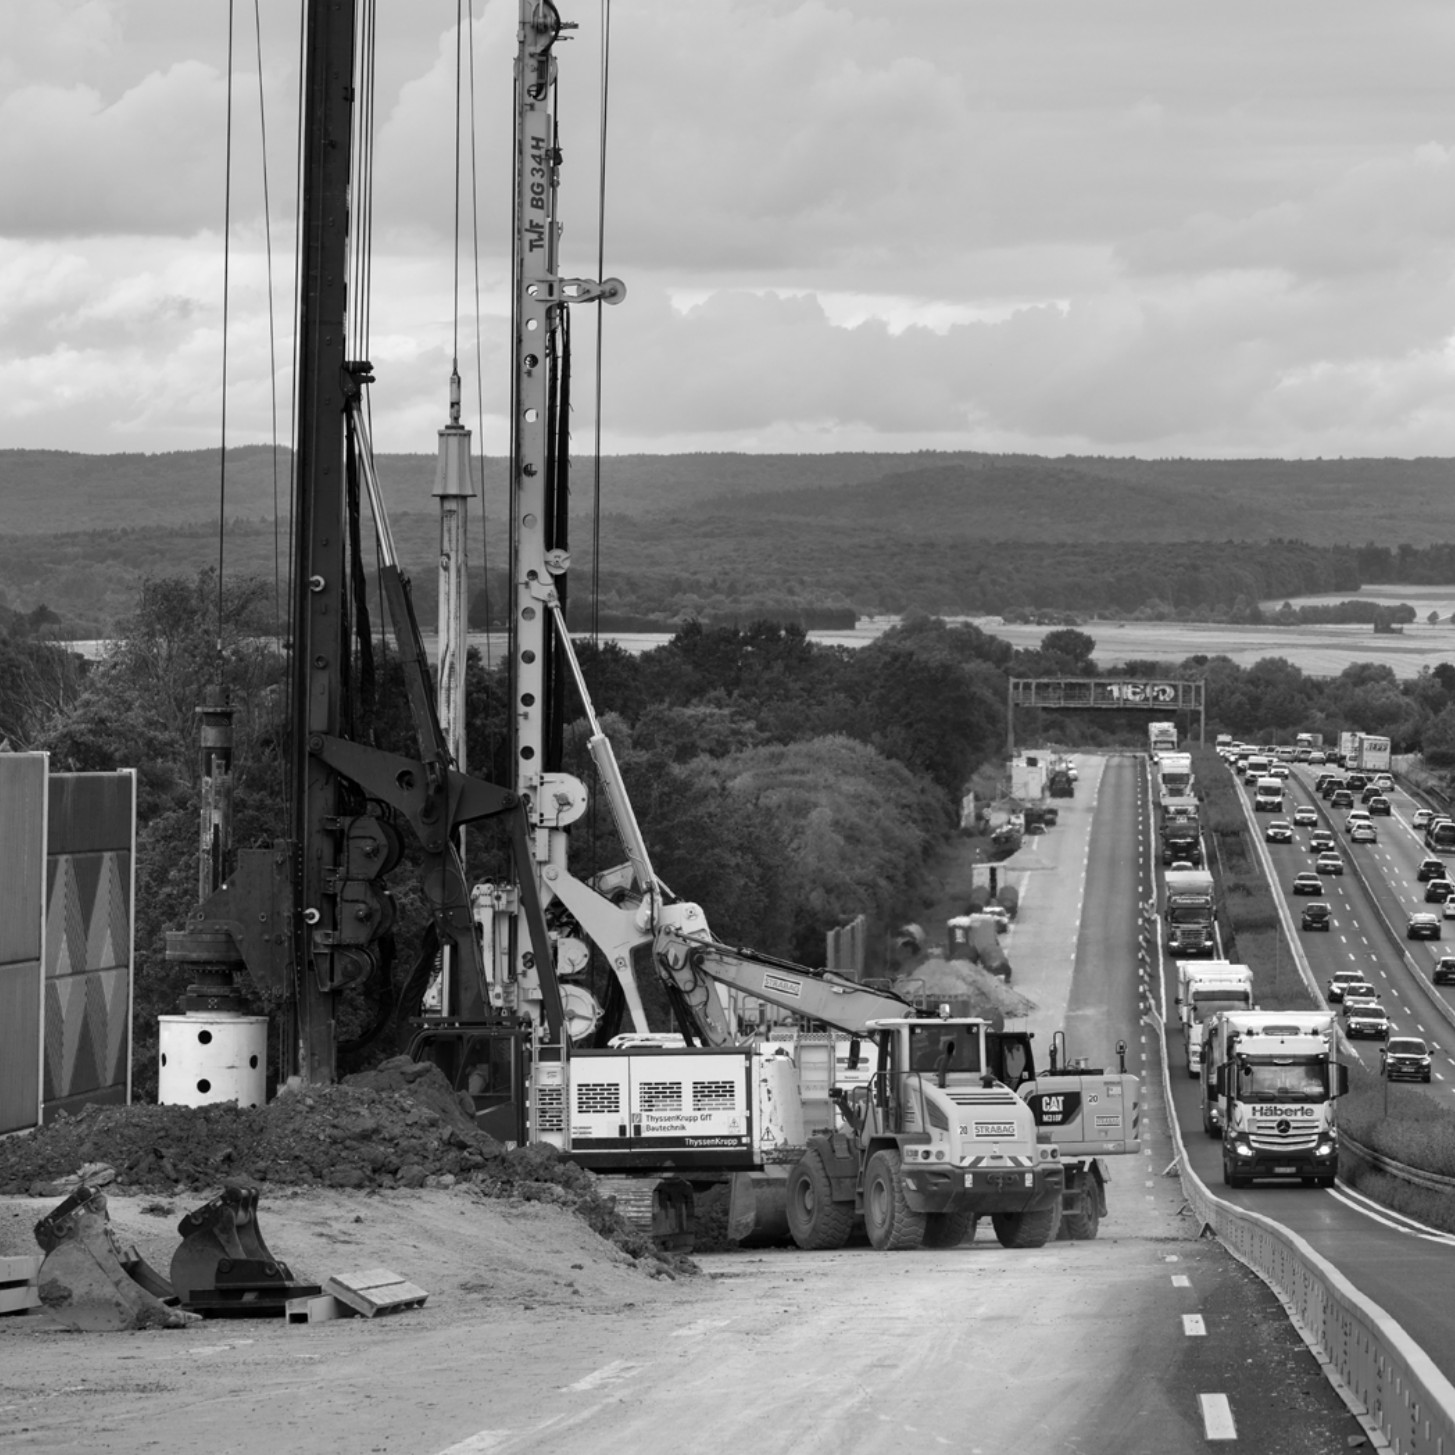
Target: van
x: 1268, y: 795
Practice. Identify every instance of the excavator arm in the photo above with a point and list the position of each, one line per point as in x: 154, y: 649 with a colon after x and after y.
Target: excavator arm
x: 694, y: 968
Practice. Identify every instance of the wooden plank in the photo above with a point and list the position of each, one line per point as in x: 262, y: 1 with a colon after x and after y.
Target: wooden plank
x: 17, y: 1298
x: 375, y: 1291
x: 19, y: 1268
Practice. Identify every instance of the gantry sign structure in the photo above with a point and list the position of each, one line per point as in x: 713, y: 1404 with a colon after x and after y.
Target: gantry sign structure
x: 1181, y: 699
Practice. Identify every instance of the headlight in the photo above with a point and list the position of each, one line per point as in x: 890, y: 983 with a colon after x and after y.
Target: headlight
x: 1324, y: 1149
x: 1242, y: 1146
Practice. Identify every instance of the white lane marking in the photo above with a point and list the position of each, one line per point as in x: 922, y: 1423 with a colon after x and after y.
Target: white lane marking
x: 1181, y: 1280
x: 1193, y: 1326
x: 613, y: 1373
x: 1377, y: 1212
x: 1217, y: 1417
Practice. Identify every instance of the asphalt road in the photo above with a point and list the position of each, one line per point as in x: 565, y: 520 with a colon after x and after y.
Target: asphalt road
x: 1401, y: 1266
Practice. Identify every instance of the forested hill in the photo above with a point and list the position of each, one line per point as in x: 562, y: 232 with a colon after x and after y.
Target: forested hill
x: 926, y: 493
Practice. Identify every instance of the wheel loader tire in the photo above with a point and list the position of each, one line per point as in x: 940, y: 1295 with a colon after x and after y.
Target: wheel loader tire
x: 1084, y: 1224
x: 891, y: 1224
x: 815, y: 1220
x: 947, y: 1229
x: 1027, y: 1229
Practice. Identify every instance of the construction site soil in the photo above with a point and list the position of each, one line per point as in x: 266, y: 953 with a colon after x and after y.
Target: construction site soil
x: 398, y: 1127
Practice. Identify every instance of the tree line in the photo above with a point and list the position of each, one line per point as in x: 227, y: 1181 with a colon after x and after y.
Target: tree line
x: 784, y: 785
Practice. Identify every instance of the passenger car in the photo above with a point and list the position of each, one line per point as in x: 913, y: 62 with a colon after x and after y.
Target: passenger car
x: 1431, y: 868
x: 1329, y: 864
x: 1353, y: 820
x: 1356, y: 783
x: 1379, y: 804
x: 1363, y: 833
x: 1437, y: 891
x: 1423, y: 926
x: 1317, y: 758
x: 1305, y: 816
x: 1316, y: 916
x: 1341, y: 798
x: 1320, y: 839
x: 1405, y: 1058
x: 1449, y: 910
x: 1307, y: 883
x: 1421, y: 817
x: 1444, y: 971
x: 1341, y: 981
x: 1367, y: 1018
x: 1280, y: 831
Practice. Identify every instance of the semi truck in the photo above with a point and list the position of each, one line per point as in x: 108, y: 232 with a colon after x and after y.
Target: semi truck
x: 1225, y: 1031
x: 1365, y: 752
x: 1204, y: 988
x: 1179, y: 831
x: 1174, y: 775
x: 1188, y: 912
x: 1276, y: 1096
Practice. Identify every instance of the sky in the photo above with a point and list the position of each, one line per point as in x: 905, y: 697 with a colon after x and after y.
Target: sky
x: 1108, y: 227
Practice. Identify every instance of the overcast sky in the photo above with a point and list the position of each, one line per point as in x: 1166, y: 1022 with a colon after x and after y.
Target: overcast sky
x: 1125, y: 227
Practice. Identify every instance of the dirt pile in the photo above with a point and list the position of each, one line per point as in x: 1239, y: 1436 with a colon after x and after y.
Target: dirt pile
x: 398, y: 1126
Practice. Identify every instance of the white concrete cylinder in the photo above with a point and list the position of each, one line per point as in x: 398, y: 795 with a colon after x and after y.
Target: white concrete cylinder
x: 206, y: 1058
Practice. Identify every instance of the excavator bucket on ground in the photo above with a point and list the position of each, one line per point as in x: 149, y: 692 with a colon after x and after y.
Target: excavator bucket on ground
x: 90, y: 1282
x: 223, y: 1268
x: 758, y: 1208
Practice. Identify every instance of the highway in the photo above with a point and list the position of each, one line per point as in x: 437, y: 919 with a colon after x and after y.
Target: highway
x: 1397, y: 1264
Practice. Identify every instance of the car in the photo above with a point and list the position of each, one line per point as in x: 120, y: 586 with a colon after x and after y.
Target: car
x: 1363, y: 833
x: 1329, y: 864
x: 1404, y: 1058
x: 1280, y: 831
x: 1279, y: 770
x: 1320, y: 840
x: 1306, y: 816
x: 1423, y: 926
x: 1371, y: 791
x: 1316, y: 916
x: 1341, y: 798
x: 1384, y: 782
x: 1353, y: 1004
x: 1422, y: 817
x: 1367, y: 1019
x: 1431, y: 868
x: 1449, y: 910
x: 1320, y: 781
x: 1353, y: 820
x: 1307, y: 883
x: 1341, y: 980
x: 1380, y: 804
x: 1317, y: 758
x: 1437, y: 891
x: 1444, y: 971
x: 1358, y: 990
x: 1300, y: 755
x: 1356, y: 783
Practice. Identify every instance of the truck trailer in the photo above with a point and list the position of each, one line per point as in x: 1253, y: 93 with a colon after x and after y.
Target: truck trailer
x: 1204, y: 988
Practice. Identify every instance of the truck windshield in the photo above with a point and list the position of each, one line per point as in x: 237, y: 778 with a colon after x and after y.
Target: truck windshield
x: 933, y: 1047
x: 1190, y: 914
x: 1285, y: 1081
